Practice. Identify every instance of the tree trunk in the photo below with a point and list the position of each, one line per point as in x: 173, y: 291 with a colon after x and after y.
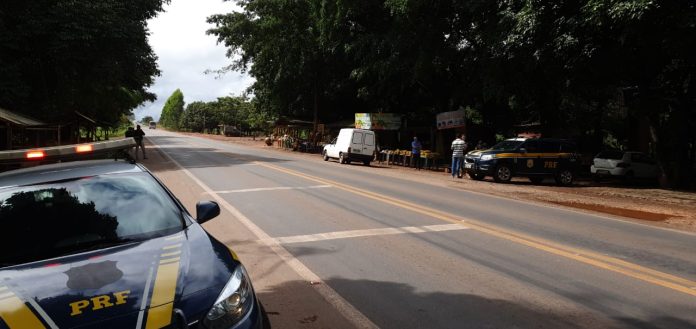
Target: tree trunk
x: 316, y: 106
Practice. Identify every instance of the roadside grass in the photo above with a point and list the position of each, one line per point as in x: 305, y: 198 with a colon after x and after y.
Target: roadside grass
x: 118, y: 133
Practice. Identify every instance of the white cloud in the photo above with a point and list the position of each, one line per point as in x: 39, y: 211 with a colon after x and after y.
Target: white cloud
x: 185, y: 52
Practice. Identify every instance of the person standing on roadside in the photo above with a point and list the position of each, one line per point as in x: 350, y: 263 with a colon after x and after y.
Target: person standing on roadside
x: 138, y: 137
x: 415, y: 152
x: 458, y: 147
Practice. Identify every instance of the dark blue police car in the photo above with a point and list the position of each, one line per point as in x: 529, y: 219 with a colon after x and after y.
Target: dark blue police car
x: 104, y: 244
x: 535, y: 158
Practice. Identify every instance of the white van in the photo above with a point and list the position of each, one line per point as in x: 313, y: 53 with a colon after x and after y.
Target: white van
x: 351, y: 145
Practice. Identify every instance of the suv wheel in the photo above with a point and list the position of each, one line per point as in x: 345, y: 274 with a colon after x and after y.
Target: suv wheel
x: 564, y: 177
x: 326, y: 156
x: 503, y: 174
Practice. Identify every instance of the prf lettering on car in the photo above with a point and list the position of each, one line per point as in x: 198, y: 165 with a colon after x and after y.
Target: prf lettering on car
x: 99, y: 302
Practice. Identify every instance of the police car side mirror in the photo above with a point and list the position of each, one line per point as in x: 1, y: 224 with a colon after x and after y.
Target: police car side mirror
x: 206, y: 210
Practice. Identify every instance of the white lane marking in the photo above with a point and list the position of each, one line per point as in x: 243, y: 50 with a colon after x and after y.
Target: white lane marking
x: 358, y: 319
x: 279, y: 188
x: 369, y: 232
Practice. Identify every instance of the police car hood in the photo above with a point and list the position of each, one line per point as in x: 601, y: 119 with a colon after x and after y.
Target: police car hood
x: 122, y: 286
x: 478, y: 153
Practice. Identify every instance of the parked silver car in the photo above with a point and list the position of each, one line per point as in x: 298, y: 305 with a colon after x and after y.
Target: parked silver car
x: 624, y: 164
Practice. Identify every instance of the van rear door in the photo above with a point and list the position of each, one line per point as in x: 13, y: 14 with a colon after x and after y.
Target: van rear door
x: 356, y: 144
x: 369, y: 143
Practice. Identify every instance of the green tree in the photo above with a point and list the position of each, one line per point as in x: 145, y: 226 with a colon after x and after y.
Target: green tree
x: 172, y: 110
x: 649, y: 50
x: 58, y: 56
x: 288, y: 47
x: 147, y: 119
x: 595, y: 70
x: 197, y: 117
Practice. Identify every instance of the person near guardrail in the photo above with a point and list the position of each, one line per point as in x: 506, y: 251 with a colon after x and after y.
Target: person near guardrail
x: 138, y: 137
x: 458, y: 147
x: 416, y: 148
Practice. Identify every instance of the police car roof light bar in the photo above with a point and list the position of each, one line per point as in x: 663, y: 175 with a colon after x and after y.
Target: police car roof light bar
x: 36, y: 154
x: 84, y: 148
x: 69, y: 152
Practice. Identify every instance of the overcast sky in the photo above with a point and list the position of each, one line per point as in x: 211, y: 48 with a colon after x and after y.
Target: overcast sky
x: 185, y: 52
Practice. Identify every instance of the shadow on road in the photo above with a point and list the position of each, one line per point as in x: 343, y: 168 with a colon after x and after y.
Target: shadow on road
x: 397, y: 305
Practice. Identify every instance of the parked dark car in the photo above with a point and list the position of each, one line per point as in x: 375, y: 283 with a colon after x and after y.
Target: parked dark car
x: 535, y: 158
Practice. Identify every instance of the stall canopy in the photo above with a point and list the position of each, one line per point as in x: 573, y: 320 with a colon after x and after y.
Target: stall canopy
x: 18, y: 119
x: 20, y: 131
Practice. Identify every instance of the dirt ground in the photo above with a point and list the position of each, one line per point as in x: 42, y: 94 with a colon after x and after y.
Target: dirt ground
x: 641, y: 203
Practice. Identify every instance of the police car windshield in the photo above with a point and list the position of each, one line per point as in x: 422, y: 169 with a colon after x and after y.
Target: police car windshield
x: 59, y: 218
x: 506, y: 145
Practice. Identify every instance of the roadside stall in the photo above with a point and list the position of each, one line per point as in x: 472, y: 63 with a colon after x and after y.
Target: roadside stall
x: 386, y: 127
x: 20, y: 131
x: 449, y: 125
x: 297, y: 135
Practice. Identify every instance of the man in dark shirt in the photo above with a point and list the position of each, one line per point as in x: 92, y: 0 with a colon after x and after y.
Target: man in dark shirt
x: 416, y: 152
x: 138, y: 137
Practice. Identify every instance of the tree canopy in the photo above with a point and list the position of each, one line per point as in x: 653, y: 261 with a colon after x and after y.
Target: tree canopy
x: 59, y: 56
x: 233, y: 111
x: 173, y: 110
x: 606, y: 72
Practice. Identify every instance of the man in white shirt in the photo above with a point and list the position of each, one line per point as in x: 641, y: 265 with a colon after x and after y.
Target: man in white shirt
x: 458, y: 147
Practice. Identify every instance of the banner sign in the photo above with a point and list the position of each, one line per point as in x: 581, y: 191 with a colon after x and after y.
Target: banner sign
x: 454, y: 119
x: 377, y: 121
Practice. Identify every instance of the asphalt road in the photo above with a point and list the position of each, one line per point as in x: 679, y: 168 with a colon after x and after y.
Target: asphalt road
x: 390, y: 251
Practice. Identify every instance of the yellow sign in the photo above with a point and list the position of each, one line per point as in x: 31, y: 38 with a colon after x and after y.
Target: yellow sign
x: 377, y: 121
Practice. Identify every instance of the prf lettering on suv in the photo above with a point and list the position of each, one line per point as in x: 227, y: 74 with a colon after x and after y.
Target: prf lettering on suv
x: 536, y: 158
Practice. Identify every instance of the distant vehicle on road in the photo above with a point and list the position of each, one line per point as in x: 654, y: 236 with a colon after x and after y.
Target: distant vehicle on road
x: 153, y: 125
x: 623, y: 164
x: 351, y: 145
x: 535, y: 158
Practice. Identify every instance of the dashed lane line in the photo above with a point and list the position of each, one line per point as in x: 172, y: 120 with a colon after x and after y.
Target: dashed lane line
x: 277, y: 188
x: 368, y: 232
